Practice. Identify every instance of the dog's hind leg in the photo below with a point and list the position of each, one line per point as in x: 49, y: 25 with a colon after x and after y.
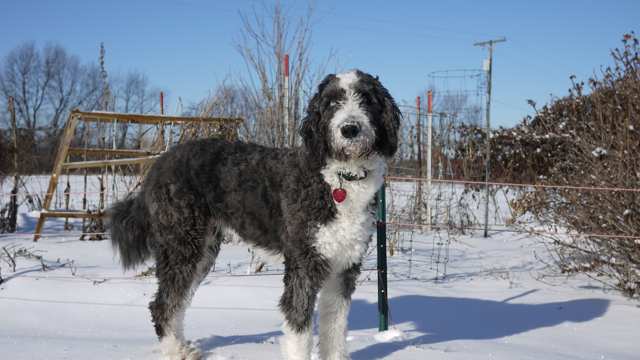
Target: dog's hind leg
x: 333, y: 305
x: 180, y: 269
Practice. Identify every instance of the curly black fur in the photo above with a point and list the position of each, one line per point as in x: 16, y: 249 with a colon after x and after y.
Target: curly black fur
x: 129, y: 231
x: 273, y: 198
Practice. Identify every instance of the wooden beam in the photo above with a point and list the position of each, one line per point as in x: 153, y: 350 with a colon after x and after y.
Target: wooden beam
x: 71, y: 214
x: 98, y: 116
x: 102, y: 163
x: 64, y: 214
x: 121, y: 152
x: 61, y: 155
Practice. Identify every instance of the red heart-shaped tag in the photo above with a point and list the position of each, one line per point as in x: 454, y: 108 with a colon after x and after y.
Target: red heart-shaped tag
x: 339, y: 195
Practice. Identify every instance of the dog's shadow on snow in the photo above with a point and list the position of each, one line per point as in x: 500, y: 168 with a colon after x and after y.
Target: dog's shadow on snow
x: 440, y: 319
x: 213, y: 342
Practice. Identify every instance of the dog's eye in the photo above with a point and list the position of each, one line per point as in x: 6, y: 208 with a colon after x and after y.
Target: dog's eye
x: 333, y: 103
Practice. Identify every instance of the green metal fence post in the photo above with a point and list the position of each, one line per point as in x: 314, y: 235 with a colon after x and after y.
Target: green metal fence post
x: 381, y: 247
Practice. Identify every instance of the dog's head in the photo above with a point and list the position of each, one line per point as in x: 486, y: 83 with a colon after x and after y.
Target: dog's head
x: 352, y: 116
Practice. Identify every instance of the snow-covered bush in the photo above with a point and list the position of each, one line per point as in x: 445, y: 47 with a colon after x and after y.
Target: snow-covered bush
x: 589, y: 138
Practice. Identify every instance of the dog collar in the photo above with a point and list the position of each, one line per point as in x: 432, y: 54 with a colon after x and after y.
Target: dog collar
x: 349, y: 176
x: 340, y: 194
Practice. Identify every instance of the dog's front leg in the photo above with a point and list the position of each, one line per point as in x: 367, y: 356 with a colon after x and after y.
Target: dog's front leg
x: 302, y: 281
x: 334, y: 303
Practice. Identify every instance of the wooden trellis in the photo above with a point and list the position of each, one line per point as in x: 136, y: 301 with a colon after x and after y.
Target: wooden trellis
x: 227, y: 128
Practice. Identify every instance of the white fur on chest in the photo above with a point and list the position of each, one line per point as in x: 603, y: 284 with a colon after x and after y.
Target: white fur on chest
x: 344, y: 240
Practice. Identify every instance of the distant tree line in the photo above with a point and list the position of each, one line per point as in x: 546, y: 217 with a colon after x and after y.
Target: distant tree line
x: 46, y: 83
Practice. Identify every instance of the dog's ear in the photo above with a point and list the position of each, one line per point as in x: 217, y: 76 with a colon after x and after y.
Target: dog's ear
x: 312, y: 131
x: 391, y: 116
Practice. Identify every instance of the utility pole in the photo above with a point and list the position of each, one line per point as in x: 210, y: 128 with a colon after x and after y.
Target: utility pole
x: 488, y: 67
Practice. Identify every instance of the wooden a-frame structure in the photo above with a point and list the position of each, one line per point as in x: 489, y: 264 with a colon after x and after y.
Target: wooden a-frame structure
x: 132, y: 156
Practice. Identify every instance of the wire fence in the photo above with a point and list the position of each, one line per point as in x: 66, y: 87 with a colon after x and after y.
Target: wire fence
x: 424, y: 223
x: 419, y: 241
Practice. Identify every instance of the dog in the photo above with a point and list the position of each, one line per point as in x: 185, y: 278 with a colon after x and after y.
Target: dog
x: 311, y: 204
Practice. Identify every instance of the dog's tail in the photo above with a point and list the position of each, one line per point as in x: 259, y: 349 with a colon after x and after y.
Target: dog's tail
x: 130, y: 231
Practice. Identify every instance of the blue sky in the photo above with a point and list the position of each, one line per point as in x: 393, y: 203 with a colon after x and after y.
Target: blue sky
x: 186, y: 47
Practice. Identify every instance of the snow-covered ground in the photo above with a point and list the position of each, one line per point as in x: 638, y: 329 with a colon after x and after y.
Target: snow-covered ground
x: 490, y: 305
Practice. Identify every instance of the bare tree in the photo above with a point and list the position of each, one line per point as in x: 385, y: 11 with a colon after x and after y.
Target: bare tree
x: 46, y: 85
x: 48, y: 82
x: 72, y: 85
x: 453, y: 104
x: 26, y: 77
x: 134, y: 94
x: 263, y: 43
x: 227, y: 100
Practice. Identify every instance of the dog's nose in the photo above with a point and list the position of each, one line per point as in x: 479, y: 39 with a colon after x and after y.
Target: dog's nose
x: 350, y: 131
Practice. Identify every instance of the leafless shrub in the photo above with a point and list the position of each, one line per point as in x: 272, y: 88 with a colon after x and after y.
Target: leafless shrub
x: 267, y: 34
x: 10, y: 254
x: 590, y: 139
x: 45, y: 83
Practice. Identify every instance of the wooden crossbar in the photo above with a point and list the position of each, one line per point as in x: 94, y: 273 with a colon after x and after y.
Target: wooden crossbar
x: 115, y: 152
x: 71, y: 214
x: 98, y: 116
x: 103, y: 163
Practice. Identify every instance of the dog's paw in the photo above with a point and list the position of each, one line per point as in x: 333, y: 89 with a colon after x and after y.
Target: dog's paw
x: 174, y: 349
x: 190, y: 352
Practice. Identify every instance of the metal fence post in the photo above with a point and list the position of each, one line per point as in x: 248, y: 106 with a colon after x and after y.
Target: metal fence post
x: 381, y: 247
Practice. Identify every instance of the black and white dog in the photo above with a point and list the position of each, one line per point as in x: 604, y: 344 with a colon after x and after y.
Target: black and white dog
x: 310, y: 204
